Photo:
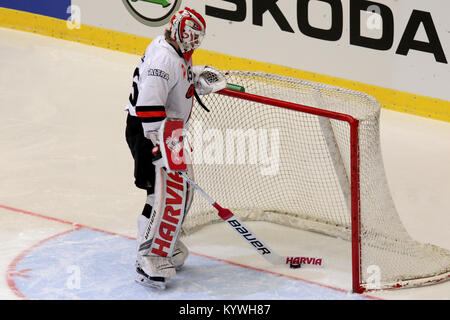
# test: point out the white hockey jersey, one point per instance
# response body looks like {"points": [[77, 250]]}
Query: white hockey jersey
{"points": [[163, 86]]}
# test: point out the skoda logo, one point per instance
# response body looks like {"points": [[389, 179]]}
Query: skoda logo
{"points": [[153, 13]]}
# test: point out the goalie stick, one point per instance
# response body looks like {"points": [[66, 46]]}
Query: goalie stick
{"points": [[252, 239]]}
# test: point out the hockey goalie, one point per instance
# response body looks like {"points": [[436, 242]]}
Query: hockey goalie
{"points": [[164, 85]]}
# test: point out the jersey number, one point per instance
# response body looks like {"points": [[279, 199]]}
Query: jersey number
{"points": [[134, 95]]}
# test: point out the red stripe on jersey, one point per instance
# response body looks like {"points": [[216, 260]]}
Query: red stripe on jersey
{"points": [[151, 114]]}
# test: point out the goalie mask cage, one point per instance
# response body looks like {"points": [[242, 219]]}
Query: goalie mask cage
{"points": [[307, 155]]}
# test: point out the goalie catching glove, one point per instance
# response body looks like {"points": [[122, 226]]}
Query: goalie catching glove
{"points": [[208, 79]]}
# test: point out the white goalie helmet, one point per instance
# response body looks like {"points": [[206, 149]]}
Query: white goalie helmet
{"points": [[187, 28]]}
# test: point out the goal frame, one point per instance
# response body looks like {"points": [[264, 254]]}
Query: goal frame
{"points": [[354, 168]]}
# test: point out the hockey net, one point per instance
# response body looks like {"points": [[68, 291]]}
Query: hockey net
{"points": [[306, 155]]}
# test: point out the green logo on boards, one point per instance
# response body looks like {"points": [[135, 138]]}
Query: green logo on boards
{"points": [[153, 13], [164, 3]]}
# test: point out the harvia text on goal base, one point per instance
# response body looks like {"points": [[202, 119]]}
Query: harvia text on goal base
{"points": [[304, 261]]}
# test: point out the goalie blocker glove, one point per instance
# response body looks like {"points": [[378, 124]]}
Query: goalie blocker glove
{"points": [[169, 151]]}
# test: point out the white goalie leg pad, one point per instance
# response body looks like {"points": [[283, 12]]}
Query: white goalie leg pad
{"points": [[156, 266], [180, 254], [142, 227], [143, 221], [161, 233]]}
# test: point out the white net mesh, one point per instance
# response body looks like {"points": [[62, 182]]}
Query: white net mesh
{"points": [[293, 168]]}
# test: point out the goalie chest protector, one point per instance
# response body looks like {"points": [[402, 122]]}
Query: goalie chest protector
{"points": [[165, 81]]}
